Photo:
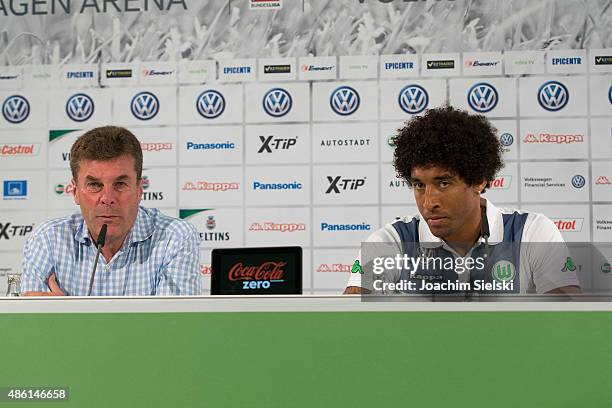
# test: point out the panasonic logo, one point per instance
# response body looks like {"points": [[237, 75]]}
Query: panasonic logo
{"points": [[345, 227], [277, 186], [210, 146]]}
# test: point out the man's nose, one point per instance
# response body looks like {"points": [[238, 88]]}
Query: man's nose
{"points": [[431, 198], [108, 196]]}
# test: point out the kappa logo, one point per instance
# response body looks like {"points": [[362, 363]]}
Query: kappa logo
{"points": [[277, 102], [145, 105], [344, 100], [210, 104], [553, 96], [506, 139], [15, 109], [578, 181], [482, 97], [413, 99], [602, 180], [79, 107]]}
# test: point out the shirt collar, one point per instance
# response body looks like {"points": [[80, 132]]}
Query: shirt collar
{"points": [[141, 231], [496, 229]]}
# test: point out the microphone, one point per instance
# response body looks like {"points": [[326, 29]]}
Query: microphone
{"points": [[99, 245]]}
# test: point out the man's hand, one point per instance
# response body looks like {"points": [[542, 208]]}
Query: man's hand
{"points": [[355, 290], [53, 286]]}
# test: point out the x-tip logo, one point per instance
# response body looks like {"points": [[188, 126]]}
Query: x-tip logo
{"points": [[145, 105], [413, 99], [277, 102], [482, 97], [15, 109], [344, 100], [210, 104], [79, 107], [553, 96]]}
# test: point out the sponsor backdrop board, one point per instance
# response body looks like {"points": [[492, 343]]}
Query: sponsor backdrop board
{"points": [[282, 143]]}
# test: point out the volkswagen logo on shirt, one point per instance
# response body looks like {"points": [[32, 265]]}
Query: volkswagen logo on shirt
{"points": [[277, 102], [413, 99], [79, 107], [210, 104], [506, 139], [578, 181], [344, 100], [482, 97], [553, 96], [15, 109], [145, 105]]}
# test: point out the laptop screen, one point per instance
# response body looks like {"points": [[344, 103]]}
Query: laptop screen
{"points": [[257, 271]]}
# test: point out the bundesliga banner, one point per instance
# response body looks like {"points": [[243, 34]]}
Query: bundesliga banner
{"points": [[271, 122]]}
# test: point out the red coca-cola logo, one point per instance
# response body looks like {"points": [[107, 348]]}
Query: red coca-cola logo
{"points": [[266, 271]]}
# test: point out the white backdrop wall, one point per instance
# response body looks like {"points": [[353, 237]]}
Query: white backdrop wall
{"points": [[271, 126]]}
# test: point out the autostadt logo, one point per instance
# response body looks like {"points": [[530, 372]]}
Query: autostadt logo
{"points": [[344, 100], [145, 105], [482, 97], [553, 96], [506, 139], [277, 102], [210, 104], [15, 109], [79, 107], [413, 99], [578, 181]]}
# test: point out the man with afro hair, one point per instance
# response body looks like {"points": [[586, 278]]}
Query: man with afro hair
{"points": [[449, 157]]}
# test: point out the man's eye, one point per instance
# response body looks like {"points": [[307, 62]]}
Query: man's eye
{"points": [[121, 185], [418, 186], [444, 184], [93, 186]]}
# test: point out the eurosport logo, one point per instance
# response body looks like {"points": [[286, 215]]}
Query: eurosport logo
{"points": [[15, 109], [344, 100], [144, 105], [210, 104], [413, 99], [482, 97], [506, 139], [553, 96], [79, 107], [277, 102], [578, 181]]}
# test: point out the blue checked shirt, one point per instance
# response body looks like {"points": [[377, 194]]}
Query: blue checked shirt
{"points": [[160, 256]]}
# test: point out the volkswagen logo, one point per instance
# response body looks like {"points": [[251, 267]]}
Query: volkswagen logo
{"points": [[578, 181], [553, 96], [506, 139], [145, 105], [277, 102], [413, 99], [482, 97], [610, 94], [210, 104], [16, 109], [79, 107], [344, 100]]}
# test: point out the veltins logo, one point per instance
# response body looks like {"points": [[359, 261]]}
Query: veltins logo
{"points": [[578, 181], [15, 109], [413, 99], [506, 139], [503, 271], [15, 189], [79, 107], [553, 96], [482, 97], [277, 102], [344, 100], [144, 105], [210, 104]]}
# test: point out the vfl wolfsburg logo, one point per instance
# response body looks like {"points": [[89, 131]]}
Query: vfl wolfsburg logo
{"points": [[210, 104], [506, 139], [413, 99], [79, 107], [553, 96], [145, 105], [277, 102], [482, 97], [503, 271], [344, 100], [15, 109]]}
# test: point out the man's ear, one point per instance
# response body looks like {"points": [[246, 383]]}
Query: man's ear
{"points": [[479, 187], [76, 192], [140, 190]]}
